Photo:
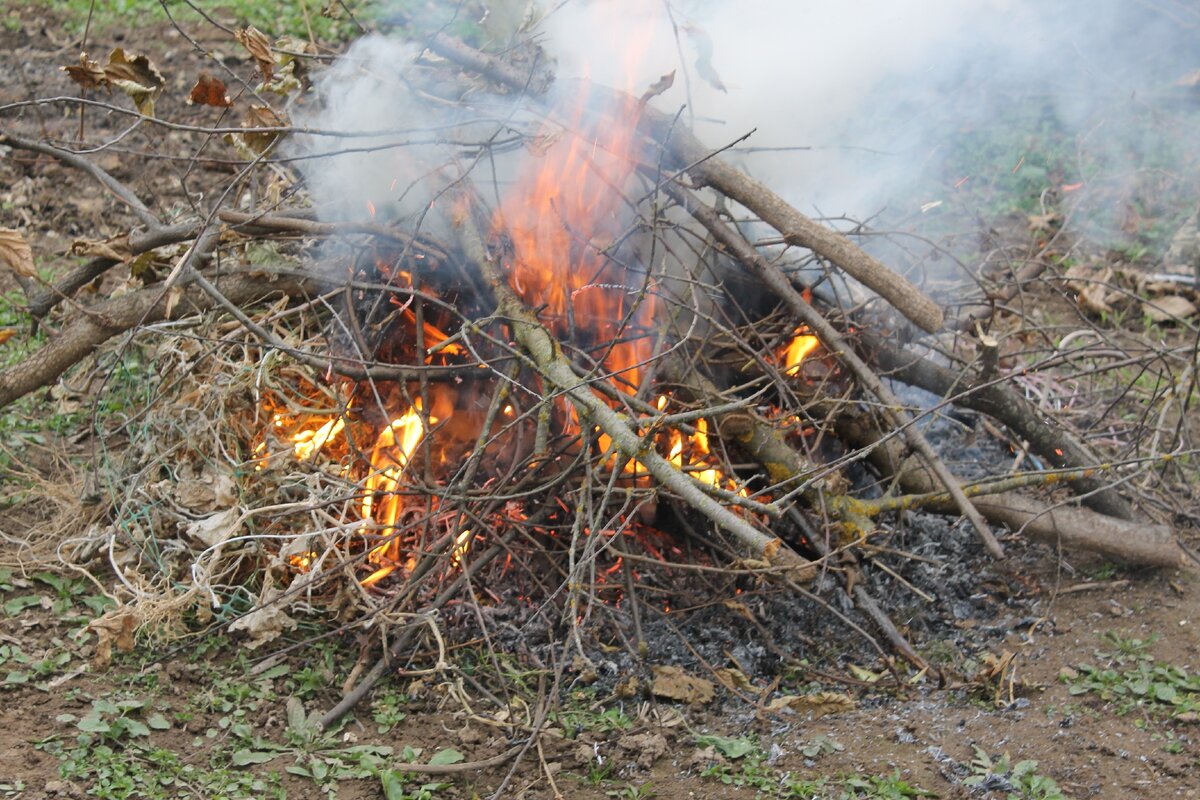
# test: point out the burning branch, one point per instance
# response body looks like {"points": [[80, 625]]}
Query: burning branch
{"points": [[546, 356]]}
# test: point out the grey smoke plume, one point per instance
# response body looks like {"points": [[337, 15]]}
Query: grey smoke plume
{"points": [[857, 107], [881, 93]]}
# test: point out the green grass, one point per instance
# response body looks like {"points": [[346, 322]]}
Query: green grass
{"points": [[273, 17], [743, 764]]}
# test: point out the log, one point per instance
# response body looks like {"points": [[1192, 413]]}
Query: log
{"points": [[1132, 542], [691, 156], [93, 326], [1001, 401]]}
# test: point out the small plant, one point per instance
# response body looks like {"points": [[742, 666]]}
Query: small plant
{"points": [[1125, 648], [642, 791], [386, 710], [116, 722], [1021, 781], [881, 787]]}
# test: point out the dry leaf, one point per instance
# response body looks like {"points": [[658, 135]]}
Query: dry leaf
{"points": [[115, 627], [1092, 286], [732, 678], [87, 73], [260, 49], [114, 247], [673, 683], [215, 528], [818, 704], [704, 53], [266, 622], [134, 75], [209, 91], [1171, 308], [16, 253], [260, 117], [6, 334]]}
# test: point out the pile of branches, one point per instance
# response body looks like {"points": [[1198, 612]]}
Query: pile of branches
{"points": [[668, 428]]}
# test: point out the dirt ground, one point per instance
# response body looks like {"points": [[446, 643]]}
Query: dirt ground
{"points": [[1015, 678]]}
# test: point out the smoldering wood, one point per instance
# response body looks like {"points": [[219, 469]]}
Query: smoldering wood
{"points": [[1139, 542]]}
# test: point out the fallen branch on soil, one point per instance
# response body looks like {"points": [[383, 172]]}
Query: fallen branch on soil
{"points": [[92, 326], [1132, 542], [998, 399]]}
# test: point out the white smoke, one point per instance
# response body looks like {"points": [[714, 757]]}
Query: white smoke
{"points": [[856, 105]]}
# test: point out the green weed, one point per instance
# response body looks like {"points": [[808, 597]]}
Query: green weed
{"points": [[1021, 781]]}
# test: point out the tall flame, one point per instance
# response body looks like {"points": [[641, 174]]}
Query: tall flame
{"points": [[391, 453], [562, 216]]}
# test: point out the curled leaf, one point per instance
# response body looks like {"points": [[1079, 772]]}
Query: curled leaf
{"points": [[87, 73], [260, 49], [114, 247], [209, 91], [16, 253], [254, 143], [134, 75], [673, 683]]}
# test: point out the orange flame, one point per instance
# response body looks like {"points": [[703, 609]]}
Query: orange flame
{"points": [[391, 453], [563, 217], [802, 345], [306, 444]]}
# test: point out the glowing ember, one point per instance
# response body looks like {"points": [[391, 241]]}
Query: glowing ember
{"points": [[462, 543], [306, 444]]}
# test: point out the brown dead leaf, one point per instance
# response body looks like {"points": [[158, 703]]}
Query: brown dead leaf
{"points": [[114, 247], [16, 253], [87, 73], [1171, 308], [657, 88], [134, 75], [673, 683], [256, 42], [1092, 285], [740, 609], [266, 622], [209, 91], [732, 678], [115, 627], [260, 117], [6, 334], [818, 704]]}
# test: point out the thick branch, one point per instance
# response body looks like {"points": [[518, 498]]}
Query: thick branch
{"points": [[1001, 401], [95, 325], [1131, 542], [547, 357], [796, 228], [775, 280]]}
